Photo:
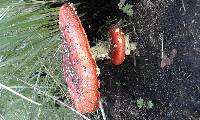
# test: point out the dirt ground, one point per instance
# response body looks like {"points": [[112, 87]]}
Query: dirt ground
{"points": [[174, 90]]}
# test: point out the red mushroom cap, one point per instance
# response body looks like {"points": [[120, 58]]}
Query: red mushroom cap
{"points": [[117, 45], [79, 67]]}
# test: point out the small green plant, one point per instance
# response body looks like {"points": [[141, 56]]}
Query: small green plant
{"points": [[142, 104], [150, 104], [125, 7]]}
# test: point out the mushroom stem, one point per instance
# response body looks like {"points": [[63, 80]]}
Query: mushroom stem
{"points": [[101, 50], [129, 46]]}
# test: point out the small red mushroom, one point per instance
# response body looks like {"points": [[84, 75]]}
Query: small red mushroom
{"points": [[79, 67], [117, 45]]}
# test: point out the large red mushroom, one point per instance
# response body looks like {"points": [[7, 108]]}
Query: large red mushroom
{"points": [[79, 66]]}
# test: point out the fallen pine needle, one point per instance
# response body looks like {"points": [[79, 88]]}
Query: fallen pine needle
{"points": [[102, 110], [18, 94]]}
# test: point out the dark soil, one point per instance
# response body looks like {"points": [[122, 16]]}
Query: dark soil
{"points": [[175, 89]]}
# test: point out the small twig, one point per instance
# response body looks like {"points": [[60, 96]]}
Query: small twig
{"points": [[3, 14], [39, 112], [149, 3], [134, 30], [57, 51], [102, 110], [184, 9], [162, 44], [43, 2], [1, 117], [22, 87], [134, 57], [18, 94]]}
